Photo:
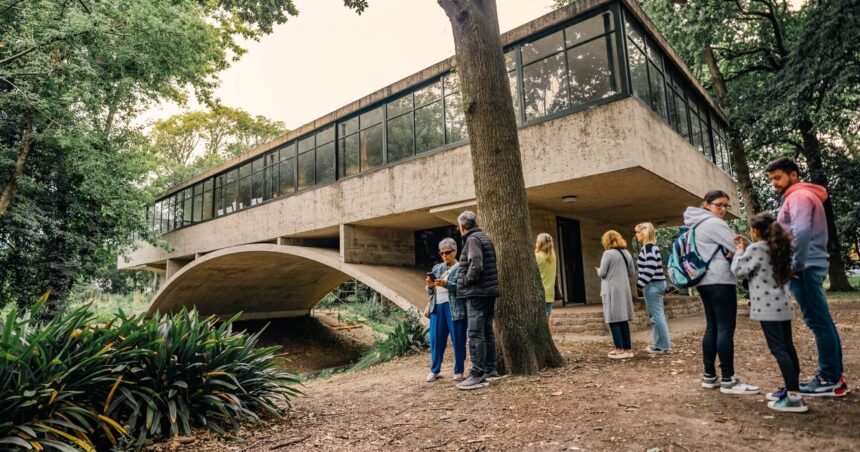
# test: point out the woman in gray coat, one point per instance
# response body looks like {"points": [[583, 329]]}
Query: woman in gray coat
{"points": [[615, 271]]}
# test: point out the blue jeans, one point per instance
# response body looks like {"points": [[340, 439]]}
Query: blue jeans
{"points": [[441, 326], [621, 334], [809, 293], [654, 302]]}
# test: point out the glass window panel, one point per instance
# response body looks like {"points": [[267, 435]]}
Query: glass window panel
{"points": [[306, 170], [634, 34], [639, 74], [287, 171], [697, 133], [187, 211], [654, 52], [198, 188], [399, 106], [177, 206], [207, 205], [590, 74], [325, 163], [287, 151], [545, 87], [188, 193], [325, 135], [429, 128], [451, 83], [401, 140], [257, 165], [349, 160], [306, 144], [245, 170], [231, 191], [542, 48], [510, 60], [256, 188], [168, 215], [271, 158], [207, 184], [589, 28], [455, 120], [428, 94], [218, 200], [512, 80], [371, 147], [370, 118], [706, 141], [198, 208], [244, 196], [156, 217], [270, 182], [348, 127], [658, 90]]}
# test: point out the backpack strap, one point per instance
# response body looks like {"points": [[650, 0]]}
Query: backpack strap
{"points": [[720, 248]]}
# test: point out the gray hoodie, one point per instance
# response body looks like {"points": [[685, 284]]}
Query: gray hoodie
{"points": [[710, 234]]}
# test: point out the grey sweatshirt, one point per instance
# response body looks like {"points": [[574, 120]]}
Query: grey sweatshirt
{"points": [[769, 302], [710, 234]]}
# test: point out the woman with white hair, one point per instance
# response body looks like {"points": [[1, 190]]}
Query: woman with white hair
{"points": [[447, 313]]}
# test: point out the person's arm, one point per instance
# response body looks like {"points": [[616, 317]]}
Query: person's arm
{"points": [[724, 237], [603, 270], [629, 261], [476, 261], [451, 282], [801, 210], [432, 289], [745, 262]]}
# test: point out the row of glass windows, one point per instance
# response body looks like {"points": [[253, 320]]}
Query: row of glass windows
{"points": [[575, 66], [662, 87]]}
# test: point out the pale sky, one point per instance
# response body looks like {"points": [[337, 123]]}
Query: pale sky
{"points": [[329, 56]]}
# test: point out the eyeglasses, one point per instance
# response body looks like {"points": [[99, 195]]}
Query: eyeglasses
{"points": [[445, 253], [721, 205]]}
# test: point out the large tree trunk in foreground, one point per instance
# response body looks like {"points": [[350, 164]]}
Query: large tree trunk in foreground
{"points": [[736, 144], [812, 153], [523, 338]]}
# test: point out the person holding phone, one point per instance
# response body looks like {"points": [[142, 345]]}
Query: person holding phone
{"points": [[446, 312]]}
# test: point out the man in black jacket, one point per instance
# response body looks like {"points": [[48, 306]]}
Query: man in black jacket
{"points": [[479, 285]]}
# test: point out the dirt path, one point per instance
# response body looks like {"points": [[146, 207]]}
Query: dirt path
{"points": [[590, 404]]}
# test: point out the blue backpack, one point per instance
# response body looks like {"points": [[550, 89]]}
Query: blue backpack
{"points": [[686, 266]]}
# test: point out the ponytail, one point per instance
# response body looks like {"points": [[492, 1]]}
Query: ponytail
{"points": [[778, 244]]}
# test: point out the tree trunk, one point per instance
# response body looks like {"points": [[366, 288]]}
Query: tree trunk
{"points": [[736, 144], [523, 338], [18, 170], [812, 153]]}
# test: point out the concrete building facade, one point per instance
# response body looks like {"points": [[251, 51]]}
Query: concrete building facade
{"points": [[613, 130]]}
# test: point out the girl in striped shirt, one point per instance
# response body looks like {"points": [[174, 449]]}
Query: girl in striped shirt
{"points": [[653, 284]]}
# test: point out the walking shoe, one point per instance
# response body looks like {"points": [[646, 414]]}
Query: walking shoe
{"points": [[620, 355], [431, 377], [473, 382], [735, 387], [788, 405], [655, 350], [819, 387], [710, 382], [492, 376], [776, 395], [459, 377]]}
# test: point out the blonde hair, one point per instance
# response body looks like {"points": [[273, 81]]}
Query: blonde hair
{"points": [[612, 239], [544, 245], [649, 235]]}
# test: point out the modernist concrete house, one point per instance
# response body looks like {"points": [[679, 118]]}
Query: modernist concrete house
{"points": [[614, 130]]}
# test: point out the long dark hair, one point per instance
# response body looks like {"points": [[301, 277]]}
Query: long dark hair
{"points": [[778, 245]]}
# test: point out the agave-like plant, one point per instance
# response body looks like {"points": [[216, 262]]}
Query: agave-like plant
{"points": [[407, 337], [70, 384]]}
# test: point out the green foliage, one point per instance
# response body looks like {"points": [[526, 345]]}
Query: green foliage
{"points": [[71, 384], [407, 337]]}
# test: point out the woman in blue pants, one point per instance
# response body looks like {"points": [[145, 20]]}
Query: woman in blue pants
{"points": [[447, 313]]}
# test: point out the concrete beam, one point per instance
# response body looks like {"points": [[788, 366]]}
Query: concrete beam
{"points": [[376, 246]]}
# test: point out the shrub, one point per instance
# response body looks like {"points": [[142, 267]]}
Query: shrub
{"points": [[73, 385], [407, 337]]}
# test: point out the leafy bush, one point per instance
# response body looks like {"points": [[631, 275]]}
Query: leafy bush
{"points": [[407, 337], [72, 385]]}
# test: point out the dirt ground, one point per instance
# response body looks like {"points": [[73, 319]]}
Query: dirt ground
{"points": [[591, 404]]}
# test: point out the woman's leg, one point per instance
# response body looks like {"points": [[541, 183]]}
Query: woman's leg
{"points": [[709, 340], [458, 340], [726, 307], [615, 328], [654, 302], [438, 336], [625, 336]]}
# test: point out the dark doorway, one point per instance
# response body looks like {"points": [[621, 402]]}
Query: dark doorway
{"points": [[427, 245], [572, 273]]}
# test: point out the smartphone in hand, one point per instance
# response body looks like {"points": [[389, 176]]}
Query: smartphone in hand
{"points": [[431, 276]]}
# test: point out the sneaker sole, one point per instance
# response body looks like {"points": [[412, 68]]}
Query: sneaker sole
{"points": [[710, 385], [837, 393], [802, 409], [770, 398], [740, 393], [473, 387]]}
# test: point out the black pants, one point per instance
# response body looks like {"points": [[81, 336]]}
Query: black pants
{"points": [[721, 310], [778, 336], [621, 334], [482, 339]]}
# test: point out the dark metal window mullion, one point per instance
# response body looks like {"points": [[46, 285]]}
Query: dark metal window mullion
{"points": [[521, 92], [384, 135], [623, 39]]}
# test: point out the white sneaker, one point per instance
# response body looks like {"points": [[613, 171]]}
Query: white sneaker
{"points": [[735, 387]]}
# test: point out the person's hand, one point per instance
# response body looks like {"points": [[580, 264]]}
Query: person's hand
{"points": [[429, 282], [739, 239], [440, 282]]}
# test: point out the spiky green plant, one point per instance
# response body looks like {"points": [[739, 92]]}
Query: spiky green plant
{"points": [[407, 337]]}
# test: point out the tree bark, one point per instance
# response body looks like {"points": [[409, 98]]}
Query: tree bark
{"points": [[736, 144], [18, 170], [523, 337], [812, 153]]}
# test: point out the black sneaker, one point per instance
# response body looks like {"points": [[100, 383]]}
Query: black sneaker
{"points": [[473, 382], [492, 376]]}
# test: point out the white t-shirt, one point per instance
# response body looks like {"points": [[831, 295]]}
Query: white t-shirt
{"points": [[441, 295]]}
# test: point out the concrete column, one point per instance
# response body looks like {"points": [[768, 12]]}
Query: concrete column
{"points": [[173, 266], [376, 246]]}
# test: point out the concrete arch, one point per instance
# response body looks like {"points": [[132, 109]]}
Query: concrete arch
{"points": [[268, 281]]}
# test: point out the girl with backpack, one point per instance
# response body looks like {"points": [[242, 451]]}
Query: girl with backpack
{"points": [[616, 268], [715, 240], [766, 263]]}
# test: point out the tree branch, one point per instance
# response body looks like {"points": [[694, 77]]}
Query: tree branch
{"points": [[749, 70], [10, 6], [18, 170], [24, 52]]}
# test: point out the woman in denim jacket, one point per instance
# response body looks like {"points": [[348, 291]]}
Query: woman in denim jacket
{"points": [[447, 313]]}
